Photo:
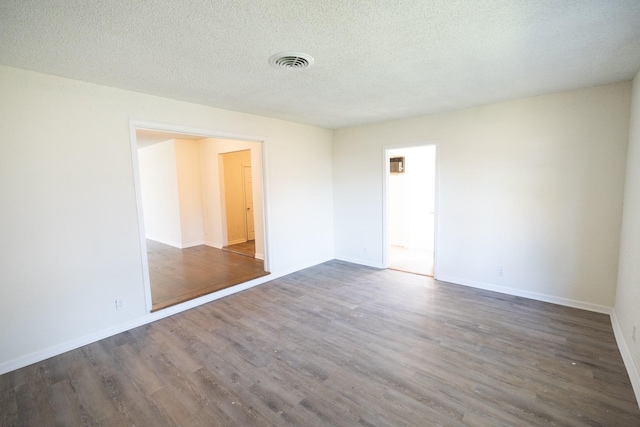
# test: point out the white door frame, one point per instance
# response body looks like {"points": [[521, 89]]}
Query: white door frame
{"points": [[135, 125], [385, 201]]}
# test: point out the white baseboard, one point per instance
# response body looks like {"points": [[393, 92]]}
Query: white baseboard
{"points": [[58, 349], [527, 294], [192, 244], [259, 256], [629, 364], [55, 350], [213, 244], [361, 262], [632, 369], [178, 245], [166, 242]]}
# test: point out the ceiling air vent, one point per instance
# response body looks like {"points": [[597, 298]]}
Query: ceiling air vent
{"points": [[291, 60]]}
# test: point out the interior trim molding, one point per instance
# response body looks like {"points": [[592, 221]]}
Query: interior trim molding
{"points": [[213, 244], [632, 369], [361, 262], [58, 349], [135, 125], [192, 244], [165, 242], [177, 244], [629, 364], [55, 350], [527, 294]]}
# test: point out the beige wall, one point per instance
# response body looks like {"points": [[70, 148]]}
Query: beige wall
{"points": [[532, 185]]}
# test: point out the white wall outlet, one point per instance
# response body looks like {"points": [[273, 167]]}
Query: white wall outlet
{"points": [[500, 271], [633, 334], [365, 250], [119, 304]]}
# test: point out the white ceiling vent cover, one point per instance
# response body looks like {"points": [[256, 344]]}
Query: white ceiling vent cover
{"points": [[291, 60]]}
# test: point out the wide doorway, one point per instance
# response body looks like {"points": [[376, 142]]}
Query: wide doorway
{"points": [[411, 209], [202, 213]]}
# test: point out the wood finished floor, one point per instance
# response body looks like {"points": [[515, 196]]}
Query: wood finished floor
{"points": [[344, 345], [179, 275], [247, 248]]}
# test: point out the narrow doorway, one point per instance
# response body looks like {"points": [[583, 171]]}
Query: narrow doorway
{"points": [[411, 209], [237, 198]]}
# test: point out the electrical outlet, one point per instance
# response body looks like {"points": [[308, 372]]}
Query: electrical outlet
{"points": [[366, 250], [119, 304], [633, 334], [500, 271]]}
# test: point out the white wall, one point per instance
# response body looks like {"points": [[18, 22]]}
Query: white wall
{"points": [[68, 217], [158, 181], [533, 185], [171, 192], [627, 307]]}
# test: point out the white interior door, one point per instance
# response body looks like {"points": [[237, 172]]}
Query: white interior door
{"points": [[248, 202]]}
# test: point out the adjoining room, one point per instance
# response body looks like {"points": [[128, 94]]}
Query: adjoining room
{"points": [[199, 213]]}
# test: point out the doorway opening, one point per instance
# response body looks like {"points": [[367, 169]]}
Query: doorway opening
{"points": [[237, 198], [411, 197], [190, 203]]}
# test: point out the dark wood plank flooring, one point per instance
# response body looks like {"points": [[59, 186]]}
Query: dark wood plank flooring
{"points": [[179, 275], [344, 345]]}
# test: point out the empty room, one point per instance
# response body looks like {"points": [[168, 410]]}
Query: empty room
{"points": [[528, 312]]}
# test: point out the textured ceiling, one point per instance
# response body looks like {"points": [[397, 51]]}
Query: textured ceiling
{"points": [[374, 60]]}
